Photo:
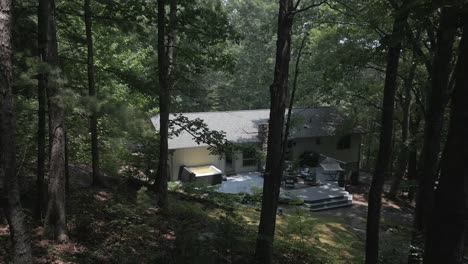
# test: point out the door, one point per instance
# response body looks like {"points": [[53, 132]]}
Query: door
{"points": [[229, 164]]}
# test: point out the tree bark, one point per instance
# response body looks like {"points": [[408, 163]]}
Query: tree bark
{"points": [[41, 126], [446, 231], [274, 166], [293, 93], [93, 121], [402, 162], [385, 142], [55, 219], [434, 117], [165, 57], [413, 155], [19, 233]]}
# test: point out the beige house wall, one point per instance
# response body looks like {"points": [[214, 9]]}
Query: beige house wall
{"points": [[238, 167], [200, 156], [197, 156]]}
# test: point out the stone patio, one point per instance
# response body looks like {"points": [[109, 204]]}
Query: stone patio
{"points": [[327, 193]]}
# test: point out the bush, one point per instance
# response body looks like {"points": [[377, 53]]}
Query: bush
{"points": [[309, 158]]}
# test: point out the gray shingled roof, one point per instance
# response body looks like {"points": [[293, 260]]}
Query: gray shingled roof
{"points": [[242, 126]]}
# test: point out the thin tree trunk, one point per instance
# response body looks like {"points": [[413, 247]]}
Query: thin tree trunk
{"points": [[163, 76], [67, 174], [385, 143], [446, 231], [55, 219], [293, 93], [13, 209], [413, 155], [402, 162], [434, 117], [274, 166], [369, 143], [93, 121], [41, 126], [171, 42]]}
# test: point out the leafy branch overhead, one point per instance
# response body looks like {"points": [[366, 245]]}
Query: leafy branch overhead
{"points": [[201, 133], [217, 142]]}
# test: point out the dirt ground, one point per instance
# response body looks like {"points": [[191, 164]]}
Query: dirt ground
{"points": [[396, 222]]}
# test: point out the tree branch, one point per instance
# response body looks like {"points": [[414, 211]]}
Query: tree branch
{"points": [[308, 7]]}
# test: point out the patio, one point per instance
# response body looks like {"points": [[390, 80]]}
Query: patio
{"points": [[326, 195]]}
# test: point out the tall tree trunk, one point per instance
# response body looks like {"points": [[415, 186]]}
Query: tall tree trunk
{"points": [[164, 60], [402, 162], [55, 219], [93, 122], [413, 154], [41, 126], [434, 116], [447, 228], [385, 142], [274, 166], [67, 174], [13, 209]]}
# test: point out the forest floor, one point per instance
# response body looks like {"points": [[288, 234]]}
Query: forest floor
{"points": [[121, 225]]}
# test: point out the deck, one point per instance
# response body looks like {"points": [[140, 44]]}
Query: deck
{"points": [[324, 196]]}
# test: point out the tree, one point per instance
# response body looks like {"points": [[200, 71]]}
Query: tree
{"points": [[402, 162], [93, 122], [41, 126], [293, 92], [385, 142], [55, 219], [13, 208], [165, 62], [274, 164], [447, 226], [436, 98], [276, 136]]}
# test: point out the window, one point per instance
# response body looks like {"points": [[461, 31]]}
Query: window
{"points": [[291, 143], [248, 158], [344, 142]]}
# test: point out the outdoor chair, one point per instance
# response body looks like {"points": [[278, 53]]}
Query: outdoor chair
{"points": [[310, 179], [289, 182]]}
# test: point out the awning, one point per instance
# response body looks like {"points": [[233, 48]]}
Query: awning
{"points": [[329, 167]]}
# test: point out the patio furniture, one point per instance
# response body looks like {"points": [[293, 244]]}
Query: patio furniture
{"points": [[305, 172], [310, 179], [290, 182], [309, 176], [332, 170]]}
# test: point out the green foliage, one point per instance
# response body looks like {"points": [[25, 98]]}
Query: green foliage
{"points": [[143, 200], [310, 159]]}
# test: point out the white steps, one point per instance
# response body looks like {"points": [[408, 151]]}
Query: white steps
{"points": [[330, 203]]}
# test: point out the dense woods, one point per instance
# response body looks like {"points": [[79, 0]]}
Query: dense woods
{"points": [[86, 170]]}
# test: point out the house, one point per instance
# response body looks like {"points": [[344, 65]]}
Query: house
{"points": [[318, 129]]}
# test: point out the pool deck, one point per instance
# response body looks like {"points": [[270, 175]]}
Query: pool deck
{"points": [[242, 183], [245, 181]]}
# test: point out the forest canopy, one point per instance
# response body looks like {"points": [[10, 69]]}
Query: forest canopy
{"points": [[81, 80]]}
